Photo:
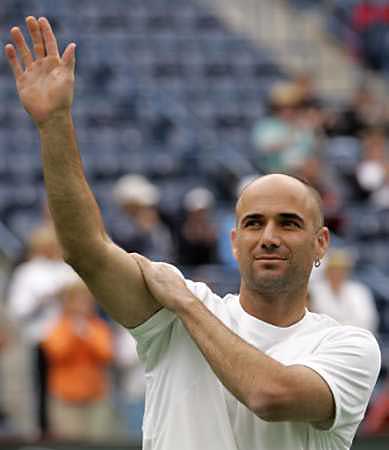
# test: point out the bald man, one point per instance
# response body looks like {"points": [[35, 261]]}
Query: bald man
{"points": [[249, 371]]}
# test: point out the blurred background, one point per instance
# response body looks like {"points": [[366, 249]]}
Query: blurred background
{"points": [[178, 104]]}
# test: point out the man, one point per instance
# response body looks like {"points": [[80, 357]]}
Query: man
{"points": [[254, 371]]}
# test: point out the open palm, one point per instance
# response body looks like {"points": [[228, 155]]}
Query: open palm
{"points": [[45, 84]]}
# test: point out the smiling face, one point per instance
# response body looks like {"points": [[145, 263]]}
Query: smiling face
{"points": [[278, 235]]}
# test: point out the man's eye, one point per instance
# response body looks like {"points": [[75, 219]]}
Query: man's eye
{"points": [[290, 224], [253, 223]]}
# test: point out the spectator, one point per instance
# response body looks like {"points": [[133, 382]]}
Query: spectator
{"points": [[364, 111], [78, 349], [370, 21], [349, 302], [197, 239], [305, 81], [140, 228], [312, 111], [380, 197], [283, 139], [33, 305], [370, 172]]}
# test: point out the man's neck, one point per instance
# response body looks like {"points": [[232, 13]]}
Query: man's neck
{"points": [[281, 310]]}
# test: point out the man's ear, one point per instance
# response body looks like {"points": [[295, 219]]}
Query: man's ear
{"points": [[322, 241], [234, 247]]}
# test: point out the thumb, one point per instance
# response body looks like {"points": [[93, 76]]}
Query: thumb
{"points": [[69, 56]]}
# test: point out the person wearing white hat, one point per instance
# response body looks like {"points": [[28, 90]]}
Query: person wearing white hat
{"points": [[140, 228], [197, 236]]}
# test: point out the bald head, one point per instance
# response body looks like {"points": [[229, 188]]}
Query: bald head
{"points": [[286, 188]]}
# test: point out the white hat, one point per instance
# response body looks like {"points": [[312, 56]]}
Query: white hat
{"points": [[198, 198], [135, 189]]}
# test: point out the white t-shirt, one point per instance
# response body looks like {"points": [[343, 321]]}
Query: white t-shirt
{"points": [[188, 408]]}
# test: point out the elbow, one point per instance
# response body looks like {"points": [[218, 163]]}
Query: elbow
{"points": [[73, 259], [79, 264], [269, 407], [71, 253], [69, 258]]}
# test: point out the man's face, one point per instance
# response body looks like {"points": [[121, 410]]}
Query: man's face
{"points": [[278, 235]]}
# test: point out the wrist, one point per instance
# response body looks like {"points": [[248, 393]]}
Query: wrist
{"points": [[55, 120], [186, 304]]}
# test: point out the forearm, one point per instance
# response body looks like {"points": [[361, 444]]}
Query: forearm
{"points": [[73, 207], [255, 379]]}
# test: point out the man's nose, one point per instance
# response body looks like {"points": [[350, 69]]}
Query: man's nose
{"points": [[270, 237]]}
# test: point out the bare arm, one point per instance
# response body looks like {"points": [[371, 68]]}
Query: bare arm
{"points": [[45, 86], [273, 391]]}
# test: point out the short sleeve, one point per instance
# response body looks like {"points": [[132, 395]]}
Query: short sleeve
{"points": [[349, 360], [153, 336]]}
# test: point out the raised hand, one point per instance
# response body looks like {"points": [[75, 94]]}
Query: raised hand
{"points": [[45, 80]]}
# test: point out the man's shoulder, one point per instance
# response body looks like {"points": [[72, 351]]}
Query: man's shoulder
{"points": [[334, 333], [324, 324]]}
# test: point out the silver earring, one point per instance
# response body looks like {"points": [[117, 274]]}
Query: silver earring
{"points": [[317, 262]]}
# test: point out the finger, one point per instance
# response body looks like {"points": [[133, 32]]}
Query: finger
{"points": [[36, 36], [22, 47], [10, 53], [49, 39], [69, 56]]}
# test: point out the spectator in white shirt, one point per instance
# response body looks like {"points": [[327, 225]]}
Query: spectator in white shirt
{"points": [[33, 305], [348, 301]]}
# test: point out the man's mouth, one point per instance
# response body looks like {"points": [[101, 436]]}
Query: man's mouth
{"points": [[270, 258]]}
